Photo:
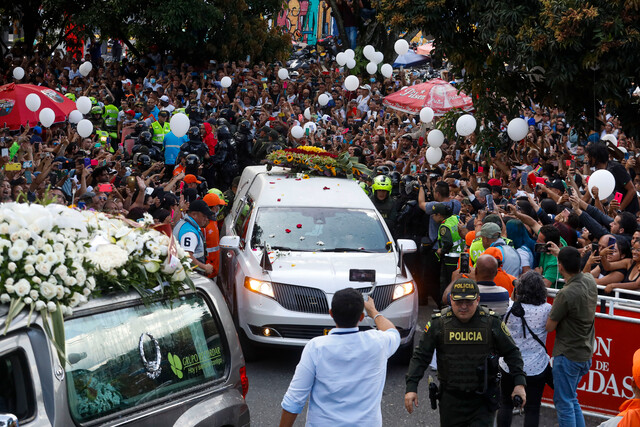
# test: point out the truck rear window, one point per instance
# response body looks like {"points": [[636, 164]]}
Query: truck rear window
{"points": [[106, 352]]}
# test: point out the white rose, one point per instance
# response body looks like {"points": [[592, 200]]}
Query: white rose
{"points": [[9, 281], [36, 280], [51, 258], [40, 305], [39, 243], [31, 250], [75, 299], [33, 294], [5, 298], [48, 290], [22, 287], [24, 234], [70, 281], [124, 273], [113, 273], [28, 301], [86, 292], [61, 271], [91, 283], [15, 254], [51, 306], [81, 276], [11, 267], [59, 291], [21, 245], [64, 309], [43, 268], [4, 228], [14, 237], [58, 247], [10, 288], [47, 248], [38, 258]]}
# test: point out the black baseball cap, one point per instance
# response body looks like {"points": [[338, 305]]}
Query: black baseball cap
{"points": [[201, 206], [464, 289]]}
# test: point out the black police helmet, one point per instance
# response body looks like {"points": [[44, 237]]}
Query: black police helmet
{"points": [[244, 127], [140, 127], [145, 137], [194, 132], [223, 132], [192, 159], [144, 161]]}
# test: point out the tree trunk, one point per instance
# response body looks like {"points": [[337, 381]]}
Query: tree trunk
{"points": [[338, 17], [131, 47]]}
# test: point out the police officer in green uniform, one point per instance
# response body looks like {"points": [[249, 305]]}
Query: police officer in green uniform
{"points": [[160, 128], [450, 243], [383, 201], [469, 339]]}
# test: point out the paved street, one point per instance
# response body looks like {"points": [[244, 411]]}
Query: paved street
{"points": [[269, 379]]}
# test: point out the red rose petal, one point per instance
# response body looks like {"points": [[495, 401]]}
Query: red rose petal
{"points": [[326, 188], [278, 200], [287, 230], [299, 225]]}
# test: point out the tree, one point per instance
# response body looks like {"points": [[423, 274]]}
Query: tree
{"points": [[565, 53], [192, 29]]}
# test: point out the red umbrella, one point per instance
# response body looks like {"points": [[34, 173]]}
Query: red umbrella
{"points": [[13, 109], [436, 93]]}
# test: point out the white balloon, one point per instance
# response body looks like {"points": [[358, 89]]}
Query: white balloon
{"points": [[350, 53], [435, 138], [386, 70], [179, 124], [33, 101], [18, 73], [311, 126], [85, 128], [368, 52], [351, 63], [225, 82], [75, 116], [307, 113], [323, 99], [401, 46], [611, 138], [466, 125], [604, 180], [517, 129], [351, 83], [297, 132], [378, 57], [283, 73], [47, 117], [83, 104], [426, 114], [341, 59], [85, 68], [372, 68], [434, 154]]}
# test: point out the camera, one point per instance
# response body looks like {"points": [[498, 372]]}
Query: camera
{"points": [[541, 248]]}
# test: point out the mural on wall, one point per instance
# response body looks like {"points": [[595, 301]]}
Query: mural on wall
{"points": [[304, 19]]}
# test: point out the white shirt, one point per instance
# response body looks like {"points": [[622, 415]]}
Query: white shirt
{"points": [[343, 376], [534, 356]]}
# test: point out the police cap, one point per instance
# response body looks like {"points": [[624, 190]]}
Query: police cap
{"points": [[464, 289]]}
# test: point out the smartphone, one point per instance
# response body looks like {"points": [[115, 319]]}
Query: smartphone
{"points": [[594, 247], [107, 188], [463, 219], [13, 167], [27, 164], [618, 198], [572, 165], [28, 177], [5, 152], [394, 145], [480, 169], [489, 202], [506, 193], [541, 248], [148, 190], [569, 190], [626, 156], [457, 155], [612, 241], [464, 263], [413, 168], [492, 151], [87, 162]]}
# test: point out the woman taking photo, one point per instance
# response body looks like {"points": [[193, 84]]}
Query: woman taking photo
{"points": [[526, 320], [631, 280], [612, 263]]}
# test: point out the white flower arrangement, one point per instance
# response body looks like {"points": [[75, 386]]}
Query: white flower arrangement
{"points": [[53, 259]]}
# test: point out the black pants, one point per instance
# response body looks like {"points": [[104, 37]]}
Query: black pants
{"points": [[464, 410], [535, 387]]}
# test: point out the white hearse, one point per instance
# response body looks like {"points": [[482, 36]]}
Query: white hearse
{"points": [[321, 235]]}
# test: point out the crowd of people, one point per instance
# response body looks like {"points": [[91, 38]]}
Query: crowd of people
{"points": [[508, 209]]}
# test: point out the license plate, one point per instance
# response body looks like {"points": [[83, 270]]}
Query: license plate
{"points": [[326, 331]]}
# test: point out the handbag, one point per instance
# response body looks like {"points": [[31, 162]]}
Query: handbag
{"points": [[518, 310]]}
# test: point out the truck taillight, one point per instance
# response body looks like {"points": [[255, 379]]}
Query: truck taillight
{"points": [[244, 380]]}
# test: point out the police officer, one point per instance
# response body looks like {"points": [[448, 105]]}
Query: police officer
{"points": [[469, 339], [188, 231], [160, 128], [450, 243], [383, 201]]}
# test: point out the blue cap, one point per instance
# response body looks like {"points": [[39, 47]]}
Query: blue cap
{"points": [[37, 129]]}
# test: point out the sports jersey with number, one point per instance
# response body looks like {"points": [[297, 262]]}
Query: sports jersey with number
{"points": [[189, 234]]}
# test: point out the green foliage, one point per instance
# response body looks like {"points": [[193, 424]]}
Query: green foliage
{"points": [[564, 53], [194, 30]]}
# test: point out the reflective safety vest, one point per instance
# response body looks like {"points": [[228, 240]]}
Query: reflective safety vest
{"points": [[159, 131], [110, 116], [181, 110], [458, 242], [463, 348], [103, 140], [212, 237]]}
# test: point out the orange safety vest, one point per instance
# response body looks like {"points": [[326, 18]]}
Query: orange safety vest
{"points": [[212, 238], [505, 280]]}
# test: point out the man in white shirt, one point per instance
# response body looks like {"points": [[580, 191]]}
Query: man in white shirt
{"points": [[343, 373], [363, 98]]}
